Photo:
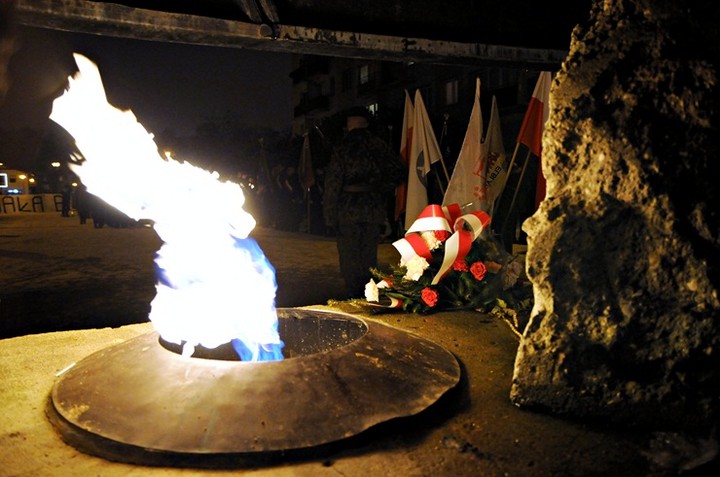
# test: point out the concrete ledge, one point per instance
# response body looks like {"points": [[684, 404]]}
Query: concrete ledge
{"points": [[473, 430]]}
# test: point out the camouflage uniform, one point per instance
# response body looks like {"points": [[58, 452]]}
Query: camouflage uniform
{"points": [[361, 175]]}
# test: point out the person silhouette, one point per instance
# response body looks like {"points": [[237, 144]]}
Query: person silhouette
{"points": [[361, 174]]}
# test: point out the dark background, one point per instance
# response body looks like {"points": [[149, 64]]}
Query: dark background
{"points": [[172, 88]]}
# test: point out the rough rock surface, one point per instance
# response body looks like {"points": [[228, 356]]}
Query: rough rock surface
{"points": [[624, 253]]}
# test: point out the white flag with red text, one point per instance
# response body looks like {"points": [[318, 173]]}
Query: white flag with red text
{"points": [[494, 150], [467, 184], [424, 151]]}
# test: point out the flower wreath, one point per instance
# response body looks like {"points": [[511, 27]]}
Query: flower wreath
{"points": [[444, 268]]}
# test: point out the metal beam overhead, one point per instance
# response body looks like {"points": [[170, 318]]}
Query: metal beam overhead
{"points": [[108, 19]]}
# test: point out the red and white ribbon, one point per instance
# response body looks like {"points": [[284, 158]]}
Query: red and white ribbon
{"points": [[433, 217], [466, 229], [387, 302]]}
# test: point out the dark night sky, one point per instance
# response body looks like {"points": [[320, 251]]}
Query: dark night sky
{"points": [[168, 86]]}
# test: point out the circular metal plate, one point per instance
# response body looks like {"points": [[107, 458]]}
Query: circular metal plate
{"points": [[344, 376]]}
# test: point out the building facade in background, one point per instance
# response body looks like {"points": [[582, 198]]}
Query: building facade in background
{"points": [[325, 86]]}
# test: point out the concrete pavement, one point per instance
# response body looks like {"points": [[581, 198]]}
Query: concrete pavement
{"points": [[96, 285]]}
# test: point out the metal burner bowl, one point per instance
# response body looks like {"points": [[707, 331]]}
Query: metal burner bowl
{"points": [[143, 402], [302, 334]]}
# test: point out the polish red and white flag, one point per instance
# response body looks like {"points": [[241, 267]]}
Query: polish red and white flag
{"points": [[533, 125]]}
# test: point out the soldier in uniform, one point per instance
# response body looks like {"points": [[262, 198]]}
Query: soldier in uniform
{"points": [[361, 176]]}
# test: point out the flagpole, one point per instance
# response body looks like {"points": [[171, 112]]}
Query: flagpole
{"points": [[447, 176], [443, 135], [517, 188], [308, 210], [440, 184]]}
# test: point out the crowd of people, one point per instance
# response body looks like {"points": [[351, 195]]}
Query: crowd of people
{"points": [[350, 199], [78, 201]]}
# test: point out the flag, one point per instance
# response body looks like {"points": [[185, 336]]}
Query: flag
{"points": [[424, 151], [467, 184], [306, 173], [494, 149], [533, 125], [405, 142]]}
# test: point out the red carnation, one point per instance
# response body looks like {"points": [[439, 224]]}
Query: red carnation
{"points": [[478, 269], [460, 265], [429, 296]]}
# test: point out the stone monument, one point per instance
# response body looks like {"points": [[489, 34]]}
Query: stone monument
{"points": [[624, 253]]}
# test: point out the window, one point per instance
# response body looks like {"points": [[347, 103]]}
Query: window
{"points": [[451, 92], [428, 98], [364, 76]]}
